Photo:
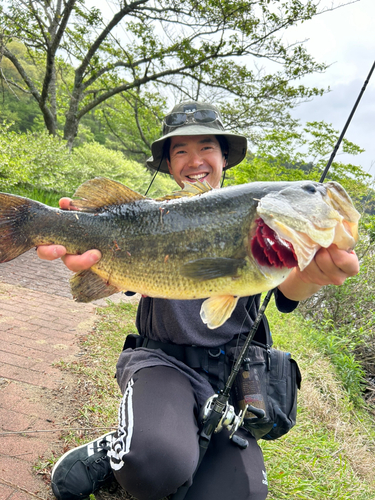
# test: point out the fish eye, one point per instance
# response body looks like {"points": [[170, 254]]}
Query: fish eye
{"points": [[309, 188]]}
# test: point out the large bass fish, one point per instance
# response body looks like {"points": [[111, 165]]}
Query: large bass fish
{"points": [[198, 243]]}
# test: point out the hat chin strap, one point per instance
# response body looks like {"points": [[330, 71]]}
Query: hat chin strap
{"points": [[222, 179], [153, 177]]}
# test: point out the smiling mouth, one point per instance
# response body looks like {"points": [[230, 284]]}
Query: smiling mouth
{"points": [[196, 177]]}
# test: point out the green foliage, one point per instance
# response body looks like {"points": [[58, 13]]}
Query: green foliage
{"points": [[345, 321], [94, 160], [131, 124], [340, 344], [35, 159], [17, 107], [302, 154], [40, 166], [330, 452], [50, 198]]}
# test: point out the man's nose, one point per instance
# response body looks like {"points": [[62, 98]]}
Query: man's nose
{"points": [[195, 160]]}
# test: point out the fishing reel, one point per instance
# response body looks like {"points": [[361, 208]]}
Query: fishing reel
{"points": [[229, 419]]}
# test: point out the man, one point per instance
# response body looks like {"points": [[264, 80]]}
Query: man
{"points": [[155, 449]]}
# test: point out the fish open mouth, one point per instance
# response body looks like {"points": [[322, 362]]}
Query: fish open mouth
{"points": [[269, 249]]}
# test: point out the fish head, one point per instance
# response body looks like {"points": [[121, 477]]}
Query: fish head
{"points": [[298, 220]]}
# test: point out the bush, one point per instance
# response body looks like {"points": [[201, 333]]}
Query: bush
{"points": [[32, 163], [35, 159], [95, 160], [345, 321]]}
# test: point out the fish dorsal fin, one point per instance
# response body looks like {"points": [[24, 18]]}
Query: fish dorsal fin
{"points": [[95, 194], [189, 190]]}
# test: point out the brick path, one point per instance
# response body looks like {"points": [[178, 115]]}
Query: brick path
{"points": [[39, 326]]}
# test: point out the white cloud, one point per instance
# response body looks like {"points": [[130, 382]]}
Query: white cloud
{"points": [[344, 39]]}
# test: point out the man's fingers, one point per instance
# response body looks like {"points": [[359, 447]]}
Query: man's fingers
{"points": [[67, 204], [330, 273], [77, 263], [51, 252], [313, 274], [331, 266], [346, 261]]}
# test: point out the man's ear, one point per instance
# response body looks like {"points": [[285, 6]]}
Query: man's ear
{"points": [[169, 166], [225, 155]]}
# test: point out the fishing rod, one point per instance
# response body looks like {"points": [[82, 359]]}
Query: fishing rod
{"points": [[217, 413], [335, 149], [338, 143]]}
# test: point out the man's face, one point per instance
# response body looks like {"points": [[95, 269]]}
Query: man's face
{"points": [[196, 158]]}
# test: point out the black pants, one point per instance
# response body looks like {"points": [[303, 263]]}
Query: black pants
{"points": [[157, 447]]}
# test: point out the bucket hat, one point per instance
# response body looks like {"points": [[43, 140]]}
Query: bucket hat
{"points": [[196, 118]]}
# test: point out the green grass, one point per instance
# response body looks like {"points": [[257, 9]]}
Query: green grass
{"points": [[96, 370], [47, 197], [329, 454]]}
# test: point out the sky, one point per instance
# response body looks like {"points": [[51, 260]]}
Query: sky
{"points": [[344, 39]]}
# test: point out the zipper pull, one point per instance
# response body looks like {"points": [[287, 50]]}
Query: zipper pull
{"points": [[246, 364], [268, 348]]}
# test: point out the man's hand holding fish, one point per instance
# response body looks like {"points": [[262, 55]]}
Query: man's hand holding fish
{"points": [[330, 266]]}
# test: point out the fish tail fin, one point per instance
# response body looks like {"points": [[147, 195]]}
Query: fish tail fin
{"points": [[13, 238]]}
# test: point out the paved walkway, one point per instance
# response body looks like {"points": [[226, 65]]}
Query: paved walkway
{"points": [[39, 325]]}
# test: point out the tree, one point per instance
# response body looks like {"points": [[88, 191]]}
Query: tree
{"points": [[16, 106], [197, 49], [302, 153]]}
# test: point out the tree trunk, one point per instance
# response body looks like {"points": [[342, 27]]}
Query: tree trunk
{"points": [[72, 121]]}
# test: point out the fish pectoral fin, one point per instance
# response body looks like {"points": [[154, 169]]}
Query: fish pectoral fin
{"points": [[99, 193], [189, 190], [216, 310], [211, 268], [87, 286]]}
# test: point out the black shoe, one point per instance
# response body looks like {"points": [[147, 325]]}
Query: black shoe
{"points": [[83, 470]]}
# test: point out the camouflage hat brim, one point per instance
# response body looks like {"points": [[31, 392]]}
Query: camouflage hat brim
{"points": [[237, 145]]}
